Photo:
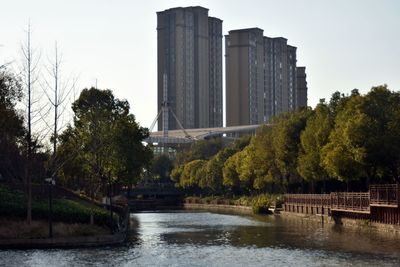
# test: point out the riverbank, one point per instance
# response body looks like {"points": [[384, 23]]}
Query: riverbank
{"points": [[76, 221], [363, 225], [220, 208], [15, 228], [64, 242], [17, 234]]}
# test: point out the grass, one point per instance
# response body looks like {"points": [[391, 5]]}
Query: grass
{"points": [[14, 228], [13, 204]]}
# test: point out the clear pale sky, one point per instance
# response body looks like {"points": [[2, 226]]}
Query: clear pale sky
{"points": [[344, 44]]}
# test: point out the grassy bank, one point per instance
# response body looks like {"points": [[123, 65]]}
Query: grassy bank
{"points": [[259, 203], [16, 228], [13, 209]]}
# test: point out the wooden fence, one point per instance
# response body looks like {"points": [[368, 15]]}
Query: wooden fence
{"points": [[350, 201], [308, 203], [380, 204], [384, 195]]}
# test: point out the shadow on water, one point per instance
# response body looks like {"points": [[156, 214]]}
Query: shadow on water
{"points": [[198, 238], [271, 231]]}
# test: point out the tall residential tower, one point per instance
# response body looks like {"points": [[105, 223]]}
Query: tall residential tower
{"points": [[261, 77], [189, 52]]}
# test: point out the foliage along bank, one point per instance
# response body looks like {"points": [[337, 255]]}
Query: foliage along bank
{"points": [[102, 146], [346, 143]]}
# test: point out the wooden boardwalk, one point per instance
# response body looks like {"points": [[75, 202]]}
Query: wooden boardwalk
{"points": [[379, 204]]}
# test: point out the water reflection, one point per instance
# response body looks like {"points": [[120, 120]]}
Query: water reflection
{"points": [[207, 228], [207, 239]]}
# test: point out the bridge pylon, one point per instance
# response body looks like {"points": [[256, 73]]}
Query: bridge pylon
{"points": [[164, 114]]}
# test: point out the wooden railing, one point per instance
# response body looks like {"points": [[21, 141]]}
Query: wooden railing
{"points": [[350, 201], [384, 195], [316, 200], [342, 201]]}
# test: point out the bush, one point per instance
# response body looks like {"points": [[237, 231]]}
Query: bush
{"points": [[261, 203]]}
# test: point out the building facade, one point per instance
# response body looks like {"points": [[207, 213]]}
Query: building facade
{"points": [[189, 52], [261, 77], [301, 87]]}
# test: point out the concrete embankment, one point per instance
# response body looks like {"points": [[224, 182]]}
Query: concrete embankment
{"points": [[359, 224], [314, 218], [219, 208], [64, 242]]}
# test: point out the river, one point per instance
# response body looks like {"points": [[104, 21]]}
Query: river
{"points": [[185, 238]]}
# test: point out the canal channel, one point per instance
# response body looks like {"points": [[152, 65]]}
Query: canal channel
{"points": [[187, 238]]}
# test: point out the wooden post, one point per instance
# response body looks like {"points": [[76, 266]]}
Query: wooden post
{"points": [[352, 201], [387, 194]]}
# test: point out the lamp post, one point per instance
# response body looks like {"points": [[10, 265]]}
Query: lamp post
{"points": [[50, 182], [110, 200]]}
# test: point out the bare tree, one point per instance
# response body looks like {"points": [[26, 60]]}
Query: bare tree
{"points": [[29, 75], [58, 90]]}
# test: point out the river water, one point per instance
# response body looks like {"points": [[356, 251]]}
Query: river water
{"points": [[184, 238]]}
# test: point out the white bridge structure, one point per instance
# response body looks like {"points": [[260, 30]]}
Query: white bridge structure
{"points": [[170, 138], [191, 135]]}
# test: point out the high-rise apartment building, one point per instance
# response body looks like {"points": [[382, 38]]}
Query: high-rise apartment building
{"points": [[189, 51], [261, 77], [301, 87]]}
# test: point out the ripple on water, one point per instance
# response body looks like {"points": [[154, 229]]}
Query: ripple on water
{"points": [[207, 239]]}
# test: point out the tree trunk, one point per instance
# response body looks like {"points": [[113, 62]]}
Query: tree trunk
{"points": [[28, 194]]}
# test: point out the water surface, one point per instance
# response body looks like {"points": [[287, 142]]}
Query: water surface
{"points": [[208, 239]]}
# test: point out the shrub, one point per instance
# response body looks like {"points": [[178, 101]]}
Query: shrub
{"points": [[261, 203], [12, 203]]}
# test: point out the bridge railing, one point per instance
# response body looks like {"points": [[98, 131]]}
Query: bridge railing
{"points": [[316, 200], [350, 201], [384, 195], [356, 202]]}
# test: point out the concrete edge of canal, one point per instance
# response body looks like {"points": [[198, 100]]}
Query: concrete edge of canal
{"points": [[219, 208], [315, 218], [64, 242]]}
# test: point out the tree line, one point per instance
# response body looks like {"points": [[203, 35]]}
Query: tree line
{"points": [[100, 146], [344, 144]]}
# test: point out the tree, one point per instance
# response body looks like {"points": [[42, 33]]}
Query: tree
{"points": [[57, 89], [191, 174], [341, 155], [364, 143], [162, 166], [286, 131], [213, 176], [107, 140], [266, 171], [230, 174], [75, 171], [11, 125], [30, 62], [312, 140], [202, 149], [378, 129]]}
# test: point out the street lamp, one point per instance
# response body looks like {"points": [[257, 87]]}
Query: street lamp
{"points": [[50, 181]]}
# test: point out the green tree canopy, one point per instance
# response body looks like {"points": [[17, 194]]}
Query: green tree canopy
{"points": [[12, 130], [161, 166], [286, 131], [106, 140], [202, 149], [312, 140], [341, 155]]}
